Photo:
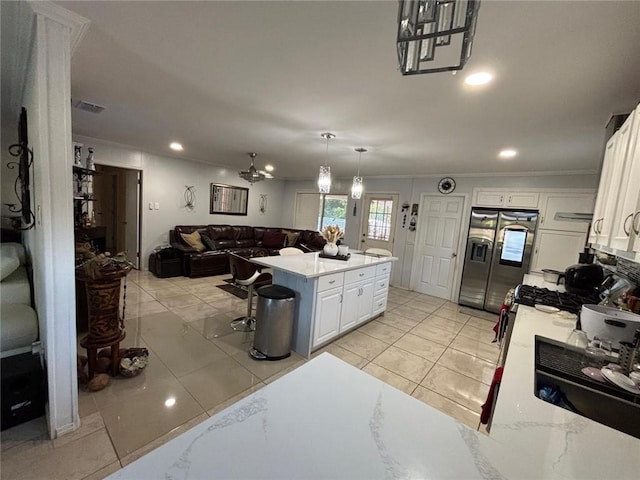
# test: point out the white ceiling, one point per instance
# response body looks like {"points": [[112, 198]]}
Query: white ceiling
{"points": [[226, 78]]}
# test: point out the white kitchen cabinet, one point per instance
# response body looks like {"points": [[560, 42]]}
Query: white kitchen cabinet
{"points": [[327, 316], [556, 249], [357, 304], [503, 198], [629, 191], [609, 188], [565, 202]]}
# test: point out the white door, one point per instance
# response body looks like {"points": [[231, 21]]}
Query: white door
{"points": [[365, 301], [132, 216], [379, 221], [436, 249], [350, 306], [328, 308]]}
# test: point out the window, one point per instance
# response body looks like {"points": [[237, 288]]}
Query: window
{"points": [[333, 211], [379, 222]]}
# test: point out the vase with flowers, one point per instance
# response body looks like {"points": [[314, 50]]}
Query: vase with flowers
{"points": [[331, 233]]}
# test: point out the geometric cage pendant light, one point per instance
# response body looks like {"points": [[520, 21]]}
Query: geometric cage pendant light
{"points": [[324, 177], [357, 187]]}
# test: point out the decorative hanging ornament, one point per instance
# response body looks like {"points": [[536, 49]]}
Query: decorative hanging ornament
{"points": [[324, 177], [357, 187]]}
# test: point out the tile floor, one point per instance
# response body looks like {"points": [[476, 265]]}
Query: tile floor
{"points": [[434, 350]]}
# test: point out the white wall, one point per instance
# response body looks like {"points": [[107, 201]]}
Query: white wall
{"points": [[410, 190], [164, 180]]}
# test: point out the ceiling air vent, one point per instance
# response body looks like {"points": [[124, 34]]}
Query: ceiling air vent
{"points": [[88, 107]]}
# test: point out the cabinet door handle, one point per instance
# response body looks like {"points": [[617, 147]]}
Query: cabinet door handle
{"points": [[362, 274], [633, 223], [382, 285], [501, 198], [627, 231], [331, 282], [541, 219], [340, 298], [509, 198]]}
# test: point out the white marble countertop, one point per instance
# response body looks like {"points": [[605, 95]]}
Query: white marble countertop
{"points": [[311, 265], [329, 420], [566, 445]]}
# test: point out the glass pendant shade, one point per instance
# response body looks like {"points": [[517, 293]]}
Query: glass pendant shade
{"points": [[356, 188], [324, 179]]}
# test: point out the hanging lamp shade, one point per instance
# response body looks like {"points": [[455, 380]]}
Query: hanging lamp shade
{"points": [[324, 177], [252, 175], [357, 187]]}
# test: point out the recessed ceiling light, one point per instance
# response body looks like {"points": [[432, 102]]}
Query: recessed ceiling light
{"points": [[176, 146], [478, 78], [268, 168], [507, 153]]}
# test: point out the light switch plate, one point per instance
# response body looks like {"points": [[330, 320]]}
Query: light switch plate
{"points": [[157, 205], [150, 205]]}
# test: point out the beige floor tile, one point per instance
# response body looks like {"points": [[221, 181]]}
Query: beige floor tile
{"points": [[362, 345], [448, 407], [226, 304], [218, 381], [422, 306], [481, 323], [215, 326], [489, 316], [148, 415], [452, 315], [381, 331], [390, 378], [164, 291], [88, 425], [444, 324], [433, 332], [394, 302], [450, 306], [479, 347], [485, 334], [410, 312], [424, 298], [182, 300], [104, 472], [137, 296], [343, 354], [211, 295], [466, 391], [403, 363], [234, 342], [421, 347], [236, 398], [192, 313], [264, 369], [31, 431], [133, 456], [144, 309], [398, 321], [182, 349], [74, 460], [284, 372], [469, 365]]}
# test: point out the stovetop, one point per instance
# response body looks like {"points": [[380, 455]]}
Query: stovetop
{"points": [[570, 302]]}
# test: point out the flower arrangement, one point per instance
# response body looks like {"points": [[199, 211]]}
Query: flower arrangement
{"points": [[332, 233], [102, 265]]}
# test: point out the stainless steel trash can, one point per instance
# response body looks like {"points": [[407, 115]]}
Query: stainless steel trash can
{"points": [[274, 323]]}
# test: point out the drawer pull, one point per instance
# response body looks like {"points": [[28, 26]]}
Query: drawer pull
{"points": [[361, 275], [331, 282], [382, 285]]}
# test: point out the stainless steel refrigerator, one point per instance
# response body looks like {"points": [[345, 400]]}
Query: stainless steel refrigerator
{"points": [[498, 254]]}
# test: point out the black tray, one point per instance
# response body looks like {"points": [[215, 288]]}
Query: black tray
{"points": [[336, 257]]}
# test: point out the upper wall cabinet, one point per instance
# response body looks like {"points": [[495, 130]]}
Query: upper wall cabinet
{"points": [[616, 220], [500, 198], [556, 208]]}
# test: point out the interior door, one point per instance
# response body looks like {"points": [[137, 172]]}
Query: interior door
{"points": [[435, 255], [379, 220], [132, 216]]}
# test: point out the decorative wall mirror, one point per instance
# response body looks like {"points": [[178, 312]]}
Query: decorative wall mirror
{"points": [[228, 200]]}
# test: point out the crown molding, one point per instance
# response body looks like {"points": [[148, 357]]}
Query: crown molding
{"points": [[77, 23]]}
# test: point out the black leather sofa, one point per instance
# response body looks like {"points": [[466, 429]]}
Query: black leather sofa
{"points": [[240, 239]]}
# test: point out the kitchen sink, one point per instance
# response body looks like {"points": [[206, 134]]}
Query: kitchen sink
{"points": [[558, 366]]}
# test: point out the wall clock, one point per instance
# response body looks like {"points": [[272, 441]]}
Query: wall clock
{"points": [[447, 185]]}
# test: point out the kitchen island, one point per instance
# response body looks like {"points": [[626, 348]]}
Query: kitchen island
{"points": [[333, 296]]}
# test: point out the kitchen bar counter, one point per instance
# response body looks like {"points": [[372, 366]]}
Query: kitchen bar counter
{"points": [[310, 265], [566, 445]]}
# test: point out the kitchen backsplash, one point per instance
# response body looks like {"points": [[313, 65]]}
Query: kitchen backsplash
{"points": [[629, 269]]}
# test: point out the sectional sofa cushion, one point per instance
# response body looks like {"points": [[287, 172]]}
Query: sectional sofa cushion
{"points": [[273, 239], [18, 330], [194, 240], [292, 237], [208, 242]]}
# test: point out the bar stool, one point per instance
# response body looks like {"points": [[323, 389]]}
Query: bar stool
{"points": [[246, 274]]}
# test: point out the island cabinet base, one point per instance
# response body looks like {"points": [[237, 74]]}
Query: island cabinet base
{"points": [[331, 305]]}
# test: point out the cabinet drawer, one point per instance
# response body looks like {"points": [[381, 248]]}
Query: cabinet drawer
{"points": [[382, 285], [379, 303], [359, 274], [383, 269], [330, 281]]}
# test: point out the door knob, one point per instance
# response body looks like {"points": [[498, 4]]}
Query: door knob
{"points": [[454, 255]]}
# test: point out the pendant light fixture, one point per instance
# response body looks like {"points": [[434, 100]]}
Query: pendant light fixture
{"points": [[252, 175], [324, 178], [357, 187]]}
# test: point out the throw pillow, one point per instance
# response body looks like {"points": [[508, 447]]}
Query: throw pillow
{"points": [[210, 244], [273, 239], [194, 240], [292, 237]]}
